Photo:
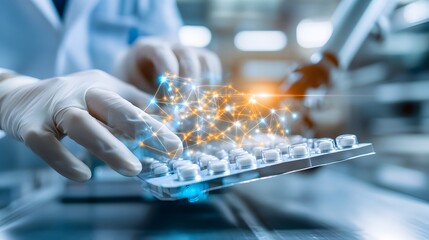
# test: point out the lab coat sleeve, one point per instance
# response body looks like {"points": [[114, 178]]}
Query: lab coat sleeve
{"points": [[160, 19]]}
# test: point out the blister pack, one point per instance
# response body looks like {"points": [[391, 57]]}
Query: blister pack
{"points": [[216, 165]]}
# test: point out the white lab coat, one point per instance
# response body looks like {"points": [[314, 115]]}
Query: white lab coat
{"points": [[34, 41]]}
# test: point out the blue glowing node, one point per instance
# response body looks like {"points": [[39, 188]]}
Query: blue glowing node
{"points": [[162, 79], [262, 120], [153, 101], [294, 115]]}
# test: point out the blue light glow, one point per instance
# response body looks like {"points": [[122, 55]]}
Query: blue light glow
{"points": [[162, 79], [194, 193]]}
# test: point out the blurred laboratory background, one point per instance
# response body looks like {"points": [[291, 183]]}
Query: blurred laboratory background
{"points": [[382, 97]]}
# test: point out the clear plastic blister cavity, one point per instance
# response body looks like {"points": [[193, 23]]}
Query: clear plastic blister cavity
{"points": [[213, 166]]}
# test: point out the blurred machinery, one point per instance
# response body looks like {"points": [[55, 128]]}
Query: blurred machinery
{"points": [[382, 95]]}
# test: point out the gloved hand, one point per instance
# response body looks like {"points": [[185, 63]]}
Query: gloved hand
{"points": [[307, 88], [86, 106], [310, 76], [149, 58]]}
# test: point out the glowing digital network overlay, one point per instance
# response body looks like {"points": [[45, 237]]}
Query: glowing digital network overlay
{"points": [[204, 113]]}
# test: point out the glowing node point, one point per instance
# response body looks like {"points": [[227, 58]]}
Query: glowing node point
{"points": [[152, 101], [252, 99], [273, 111], [294, 115], [237, 124], [163, 79]]}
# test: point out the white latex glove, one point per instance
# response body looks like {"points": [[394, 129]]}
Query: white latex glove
{"points": [[149, 58], [84, 106]]}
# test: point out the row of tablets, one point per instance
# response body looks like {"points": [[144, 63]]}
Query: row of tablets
{"points": [[219, 161]]}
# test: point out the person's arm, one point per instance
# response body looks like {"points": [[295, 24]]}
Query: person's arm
{"points": [[352, 21], [6, 73], [158, 50], [88, 107], [6, 83]]}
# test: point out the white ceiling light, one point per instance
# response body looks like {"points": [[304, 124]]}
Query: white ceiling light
{"points": [[195, 36], [260, 41], [313, 34]]}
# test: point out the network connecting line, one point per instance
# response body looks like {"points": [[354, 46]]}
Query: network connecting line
{"points": [[205, 113]]}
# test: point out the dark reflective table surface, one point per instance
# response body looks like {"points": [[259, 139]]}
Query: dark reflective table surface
{"points": [[323, 204]]}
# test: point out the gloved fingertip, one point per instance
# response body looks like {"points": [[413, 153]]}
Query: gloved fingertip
{"points": [[81, 175], [131, 168], [174, 146]]}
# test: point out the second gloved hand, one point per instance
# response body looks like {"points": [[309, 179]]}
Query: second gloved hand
{"points": [[87, 107], [151, 57]]}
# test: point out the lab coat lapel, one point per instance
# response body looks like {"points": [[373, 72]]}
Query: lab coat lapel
{"points": [[69, 58], [76, 9], [47, 9]]}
